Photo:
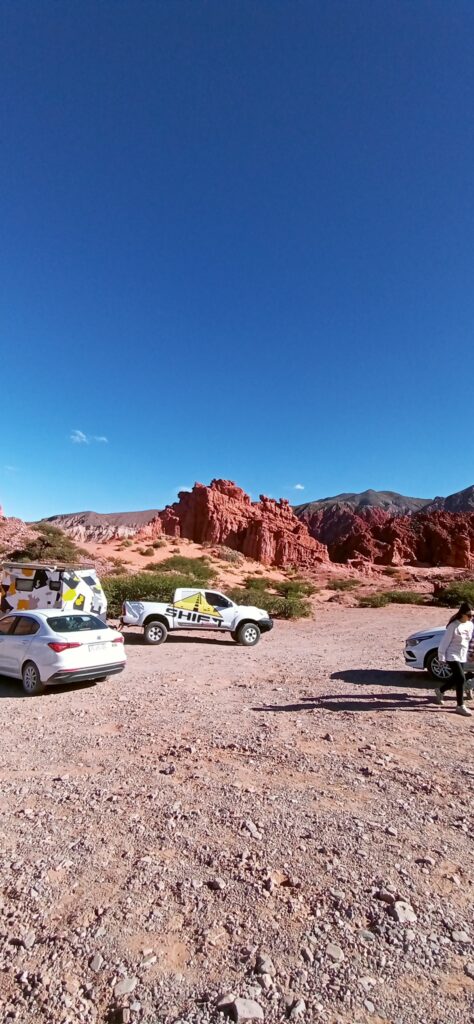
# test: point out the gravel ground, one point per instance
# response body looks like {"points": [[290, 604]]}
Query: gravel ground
{"points": [[282, 833]]}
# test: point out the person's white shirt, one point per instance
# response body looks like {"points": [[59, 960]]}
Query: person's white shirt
{"points": [[455, 643]]}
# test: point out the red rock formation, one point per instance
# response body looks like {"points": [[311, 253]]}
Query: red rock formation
{"points": [[222, 513], [425, 538]]}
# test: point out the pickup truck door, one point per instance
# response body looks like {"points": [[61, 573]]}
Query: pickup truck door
{"points": [[203, 609], [222, 607]]}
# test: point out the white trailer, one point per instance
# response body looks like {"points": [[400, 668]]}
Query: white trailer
{"points": [[25, 586]]}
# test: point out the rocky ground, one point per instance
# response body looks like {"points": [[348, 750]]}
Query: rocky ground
{"points": [[282, 833]]}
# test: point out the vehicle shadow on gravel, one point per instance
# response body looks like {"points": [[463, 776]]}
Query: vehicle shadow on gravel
{"points": [[13, 688], [136, 640]]}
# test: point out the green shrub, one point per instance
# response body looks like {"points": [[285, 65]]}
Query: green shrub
{"points": [[343, 584], [295, 588], [142, 586], [197, 570], [126, 544], [258, 583], [391, 597], [159, 543], [405, 597], [390, 570], [229, 555], [455, 593], [373, 601], [52, 545], [292, 607]]}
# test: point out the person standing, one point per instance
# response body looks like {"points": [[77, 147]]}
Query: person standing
{"points": [[453, 650]]}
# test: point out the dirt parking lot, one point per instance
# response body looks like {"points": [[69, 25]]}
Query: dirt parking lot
{"points": [[289, 825]]}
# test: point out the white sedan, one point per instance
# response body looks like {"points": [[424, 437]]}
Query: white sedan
{"points": [[47, 648], [421, 651]]}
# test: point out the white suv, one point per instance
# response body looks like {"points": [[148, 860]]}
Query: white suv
{"points": [[421, 651]]}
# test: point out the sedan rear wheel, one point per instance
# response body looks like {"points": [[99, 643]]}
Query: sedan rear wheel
{"points": [[32, 684], [438, 670]]}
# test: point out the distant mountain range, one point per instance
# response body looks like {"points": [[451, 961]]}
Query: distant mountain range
{"points": [[102, 526], [396, 504], [328, 519], [390, 501]]}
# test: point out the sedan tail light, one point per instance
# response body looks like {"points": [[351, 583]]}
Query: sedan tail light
{"points": [[62, 647], [118, 640]]}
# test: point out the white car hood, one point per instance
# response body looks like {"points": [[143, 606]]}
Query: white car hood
{"points": [[426, 632]]}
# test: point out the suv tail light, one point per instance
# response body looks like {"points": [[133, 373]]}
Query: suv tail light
{"points": [[62, 647], [118, 640]]}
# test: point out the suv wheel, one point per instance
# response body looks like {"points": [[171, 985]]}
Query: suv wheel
{"points": [[32, 684], [248, 635], [155, 632], [438, 670]]}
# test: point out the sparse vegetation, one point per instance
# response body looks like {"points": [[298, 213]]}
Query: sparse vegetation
{"points": [[456, 592], [159, 543], [383, 598], [258, 583], [197, 571], [292, 607], [52, 545], [405, 597], [295, 589], [373, 601], [142, 586], [118, 566], [343, 585], [226, 554], [126, 544]]}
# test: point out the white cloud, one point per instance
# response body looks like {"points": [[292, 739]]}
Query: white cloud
{"points": [[79, 437], [298, 487]]}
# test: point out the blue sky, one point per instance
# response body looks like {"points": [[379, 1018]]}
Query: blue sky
{"points": [[237, 240]]}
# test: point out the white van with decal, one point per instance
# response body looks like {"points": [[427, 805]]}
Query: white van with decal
{"points": [[25, 586], [197, 609]]}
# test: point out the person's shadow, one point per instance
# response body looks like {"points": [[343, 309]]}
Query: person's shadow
{"points": [[388, 701]]}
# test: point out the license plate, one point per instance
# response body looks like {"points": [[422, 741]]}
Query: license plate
{"points": [[105, 645]]}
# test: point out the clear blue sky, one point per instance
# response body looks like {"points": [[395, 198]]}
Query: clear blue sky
{"points": [[236, 240]]}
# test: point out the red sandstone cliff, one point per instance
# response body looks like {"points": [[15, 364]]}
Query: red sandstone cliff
{"points": [[266, 530], [425, 538]]}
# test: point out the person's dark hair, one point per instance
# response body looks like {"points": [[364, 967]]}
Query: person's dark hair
{"points": [[464, 609]]}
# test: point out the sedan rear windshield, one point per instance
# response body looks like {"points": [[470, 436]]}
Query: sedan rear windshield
{"points": [[75, 623]]}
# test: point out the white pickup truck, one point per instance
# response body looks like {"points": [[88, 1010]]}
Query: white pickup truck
{"points": [[197, 609]]}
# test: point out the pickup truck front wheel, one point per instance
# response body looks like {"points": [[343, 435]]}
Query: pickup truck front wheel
{"points": [[248, 635], [155, 632]]}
